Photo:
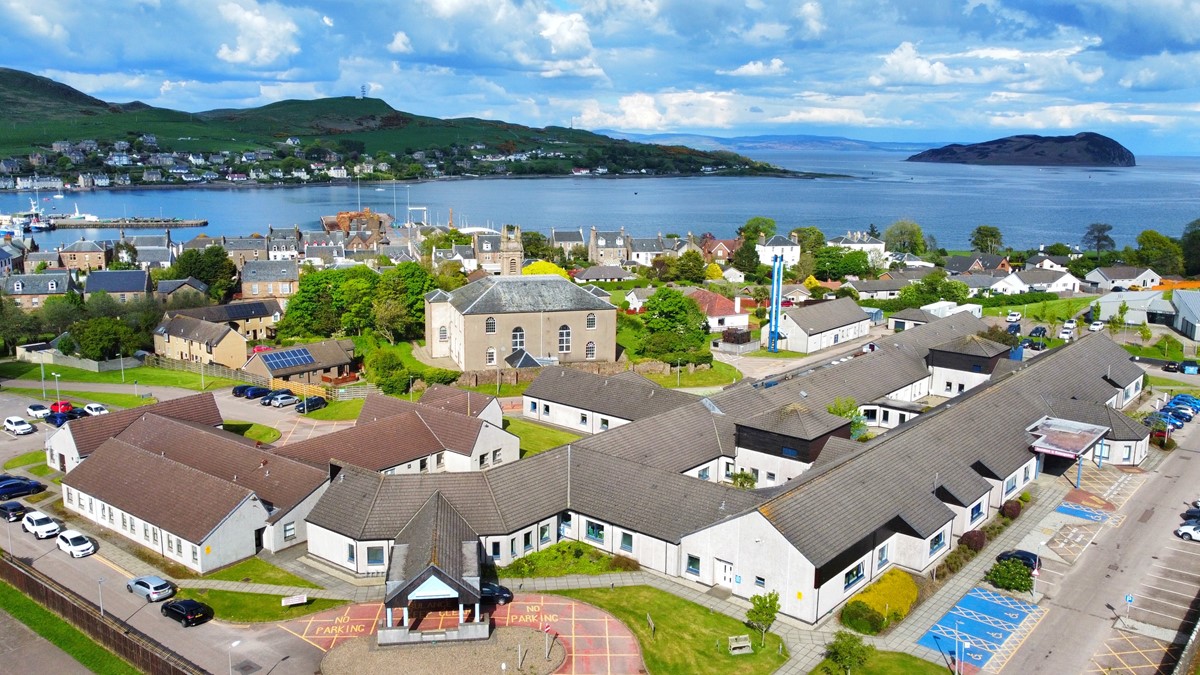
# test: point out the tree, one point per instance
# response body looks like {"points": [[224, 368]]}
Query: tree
{"points": [[757, 226], [15, 325], [828, 262], [846, 406], [536, 245], [211, 265], [1144, 333], [987, 239], [904, 236], [1159, 252], [104, 337], [848, 651], [998, 334], [804, 267], [690, 267], [745, 258], [102, 304], [400, 301], [854, 263], [390, 316], [543, 267], [743, 480], [713, 272], [810, 238], [1058, 248], [763, 610], [873, 231], [669, 313], [355, 296], [1097, 239], [1190, 245]]}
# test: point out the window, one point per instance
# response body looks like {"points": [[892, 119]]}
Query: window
{"points": [[17, 286], [949, 386], [528, 540], [545, 408], [771, 476], [374, 555], [124, 522], [729, 469], [495, 550], [595, 532], [583, 419], [518, 338], [544, 533], [754, 472], [703, 474], [976, 368], [349, 552], [693, 564], [496, 459], [626, 541], [1126, 456], [760, 582], [589, 351], [483, 460], [603, 424], [284, 289], [791, 452], [937, 543], [289, 531], [564, 339], [884, 417], [512, 547], [591, 322], [1027, 474], [254, 289], [442, 335], [881, 557], [146, 531], [1010, 485], [490, 356], [854, 576], [512, 266], [976, 511], [155, 533], [961, 387], [195, 554], [489, 326], [70, 495], [533, 406]]}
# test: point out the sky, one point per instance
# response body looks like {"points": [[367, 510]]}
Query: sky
{"points": [[881, 70]]}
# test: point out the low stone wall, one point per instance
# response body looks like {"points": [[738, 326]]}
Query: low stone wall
{"points": [[52, 357]]}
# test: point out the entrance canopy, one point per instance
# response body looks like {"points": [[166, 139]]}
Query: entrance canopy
{"points": [[1065, 438]]}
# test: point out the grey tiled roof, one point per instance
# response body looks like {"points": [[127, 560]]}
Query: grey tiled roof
{"points": [[972, 345], [233, 311], [1037, 275], [171, 285], [437, 536], [778, 241], [39, 284], [816, 318], [1121, 273], [326, 354], [915, 314], [245, 243], [797, 420], [270, 270], [195, 330], [619, 397], [118, 281], [525, 293], [696, 435], [566, 237], [601, 272], [877, 285]]}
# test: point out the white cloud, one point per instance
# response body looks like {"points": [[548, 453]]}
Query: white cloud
{"points": [[327, 21], [811, 18], [1074, 116], [46, 27], [765, 31], [757, 69], [663, 111], [567, 34], [905, 66], [400, 43], [264, 34]]}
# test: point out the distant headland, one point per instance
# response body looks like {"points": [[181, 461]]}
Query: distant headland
{"points": [[1083, 149]]}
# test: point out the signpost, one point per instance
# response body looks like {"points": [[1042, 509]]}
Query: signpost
{"points": [[1128, 604]]}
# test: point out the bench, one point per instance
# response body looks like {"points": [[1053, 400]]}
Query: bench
{"points": [[740, 644]]}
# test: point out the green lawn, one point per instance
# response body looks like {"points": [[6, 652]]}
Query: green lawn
{"points": [[719, 375], [145, 376], [781, 354], [1155, 351], [253, 607], [565, 557], [259, 571], [505, 391], [62, 634], [252, 430], [107, 398], [688, 639], [41, 470], [339, 410], [889, 663], [32, 457], [536, 437], [1052, 310]]}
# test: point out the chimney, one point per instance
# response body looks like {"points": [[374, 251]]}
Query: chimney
{"points": [[737, 304]]}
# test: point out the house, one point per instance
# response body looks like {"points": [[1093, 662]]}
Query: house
{"points": [[601, 273], [120, 285], [733, 275], [820, 325], [567, 240], [795, 294], [187, 339], [910, 318], [1057, 263], [637, 297], [85, 256], [1140, 307], [608, 248], [242, 250], [874, 247], [464, 402], [240, 498], [643, 250], [589, 404], [278, 279], [722, 312], [486, 321], [1187, 313], [880, 289], [719, 251], [500, 253], [34, 259], [977, 262], [778, 245], [908, 261], [327, 362], [169, 289], [1045, 280], [252, 319], [1123, 277], [30, 291]]}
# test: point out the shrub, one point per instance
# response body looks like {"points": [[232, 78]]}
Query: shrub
{"points": [[993, 529], [974, 540], [1010, 575], [625, 564], [891, 596], [859, 616], [440, 376], [1011, 509], [1025, 497]]}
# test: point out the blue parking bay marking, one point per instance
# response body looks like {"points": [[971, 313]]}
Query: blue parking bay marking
{"points": [[984, 619], [1084, 512]]}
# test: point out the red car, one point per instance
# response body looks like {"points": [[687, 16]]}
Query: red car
{"points": [[60, 407]]}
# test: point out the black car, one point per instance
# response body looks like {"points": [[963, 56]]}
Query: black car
{"points": [[1038, 332], [256, 392], [310, 404], [1191, 514], [1014, 329], [1171, 367], [12, 511], [496, 593], [266, 400], [240, 390], [187, 612], [1037, 345], [19, 487], [76, 413], [1028, 559]]}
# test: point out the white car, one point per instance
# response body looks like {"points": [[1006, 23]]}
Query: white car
{"points": [[1096, 326], [1070, 324], [1066, 333], [37, 411], [1188, 532], [41, 525], [94, 409], [17, 425], [1013, 317], [75, 543]]}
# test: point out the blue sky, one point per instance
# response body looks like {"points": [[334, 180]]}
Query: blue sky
{"points": [[926, 70]]}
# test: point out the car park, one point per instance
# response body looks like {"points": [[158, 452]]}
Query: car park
{"points": [[1038, 332], [73, 542], [187, 612], [257, 392], [12, 511], [152, 588], [490, 592], [284, 400], [1013, 317], [1096, 326], [240, 390], [1070, 323], [37, 411], [17, 425], [39, 525], [19, 487], [1188, 532], [60, 407], [310, 404], [95, 409], [271, 396], [1171, 367], [1181, 402], [1026, 558]]}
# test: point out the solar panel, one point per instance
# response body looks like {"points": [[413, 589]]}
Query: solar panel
{"points": [[244, 310], [288, 359]]}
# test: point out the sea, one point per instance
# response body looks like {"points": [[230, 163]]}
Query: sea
{"points": [[1031, 205]]}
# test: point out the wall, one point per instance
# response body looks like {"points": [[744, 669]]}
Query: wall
{"points": [[568, 417], [766, 464], [54, 358], [273, 538], [951, 382]]}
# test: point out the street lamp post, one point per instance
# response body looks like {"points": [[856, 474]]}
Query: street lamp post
{"points": [[231, 647], [42, 363], [100, 591], [122, 361], [678, 370], [957, 660], [57, 396]]}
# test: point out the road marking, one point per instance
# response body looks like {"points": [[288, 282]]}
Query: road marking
{"points": [[1189, 596], [113, 565]]}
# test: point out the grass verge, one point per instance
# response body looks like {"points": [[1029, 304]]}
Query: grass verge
{"points": [[719, 375], [887, 663], [145, 376], [505, 390], [688, 638], [781, 354], [338, 411], [61, 634], [252, 430], [254, 607], [107, 398], [259, 571], [567, 557], [41, 470], [536, 437], [32, 457]]}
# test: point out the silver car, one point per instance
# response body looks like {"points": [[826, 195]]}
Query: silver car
{"points": [[284, 400], [151, 588]]}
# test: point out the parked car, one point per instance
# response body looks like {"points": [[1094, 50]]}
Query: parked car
{"points": [[1013, 317], [77, 413], [257, 392], [17, 425], [1118, 289], [1187, 397], [95, 409], [39, 525], [1096, 326], [19, 487], [57, 419], [1014, 329], [1191, 514], [1037, 345], [490, 592], [60, 407], [261, 348], [284, 400], [1167, 419], [271, 396], [1028, 559], [1185, 415], [152, 588], [1066, 333], [310, 404], [73, 542], [240, 390], [1180, 402], [1188, 532], [1070, 323], [12, 511], [1038, 332], [187, 612], [37, 411], [1171, 367]]}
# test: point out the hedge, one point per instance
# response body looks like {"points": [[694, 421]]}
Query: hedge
{"points": [[859, 616], [890, 598]]}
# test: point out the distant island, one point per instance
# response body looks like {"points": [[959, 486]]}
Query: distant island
{"points": [[1083, 149]]}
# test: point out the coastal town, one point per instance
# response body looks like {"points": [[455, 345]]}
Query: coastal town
{"points": [[407, 432]]}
